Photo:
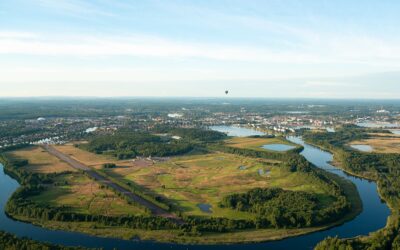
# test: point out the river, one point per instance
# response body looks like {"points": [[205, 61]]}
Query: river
{"points": [[372, 218]]}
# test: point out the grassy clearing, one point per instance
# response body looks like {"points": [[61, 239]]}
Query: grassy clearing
{"points": [[40, 161], [381, 144], [83, 195], [256, 143]]}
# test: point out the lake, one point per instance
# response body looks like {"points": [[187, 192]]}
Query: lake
{"points": [[237, 131], [278, 147], [362, 147], [395, 131], [370, 124]]}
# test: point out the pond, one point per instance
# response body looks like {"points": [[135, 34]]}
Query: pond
{"points": [[237, 131], [362, 147], [206, 208], [371, 124], [395, 131], [330, 130], [278, 147]]}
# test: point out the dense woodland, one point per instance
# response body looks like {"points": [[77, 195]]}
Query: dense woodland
{"points": [[384, 168], [191, 134], [282, 208], [124, 145], [258, 153]]}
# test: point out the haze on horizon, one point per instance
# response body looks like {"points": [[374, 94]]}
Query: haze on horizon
{"points": [[307, 49]]}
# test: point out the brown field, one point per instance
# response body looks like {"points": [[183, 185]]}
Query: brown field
{"points": [[384, 134], [382, 144], [91, 159], [40, 161]]}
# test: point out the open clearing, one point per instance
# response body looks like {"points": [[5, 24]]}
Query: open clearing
{"points": [[39, 161], [256, 143], [381, 144]]}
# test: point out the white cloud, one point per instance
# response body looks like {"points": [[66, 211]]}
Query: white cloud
{"points": [[326, 49], [145, 46]]}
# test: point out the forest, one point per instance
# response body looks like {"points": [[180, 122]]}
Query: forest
{"points": [[192, 134], [283, 208], [11, 242], [124, 145]]}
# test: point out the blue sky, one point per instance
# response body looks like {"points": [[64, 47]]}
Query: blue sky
{"points": [[290, 48]]}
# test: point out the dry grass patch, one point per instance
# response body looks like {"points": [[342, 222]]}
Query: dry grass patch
{"points": [[381, 144], [90, 159], [40, 161]]}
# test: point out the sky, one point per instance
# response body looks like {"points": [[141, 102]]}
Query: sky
{"points": [[200, 48]]}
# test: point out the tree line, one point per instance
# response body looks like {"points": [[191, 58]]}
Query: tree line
{"points": [[11, 242]]}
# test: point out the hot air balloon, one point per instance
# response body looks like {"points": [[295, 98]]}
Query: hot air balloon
{"points": [[226, 92]]}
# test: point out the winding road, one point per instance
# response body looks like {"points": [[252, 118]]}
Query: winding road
{"points": [[154, 209]]}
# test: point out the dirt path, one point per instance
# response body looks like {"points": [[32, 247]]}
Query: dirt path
{"points": [[155, 210]]}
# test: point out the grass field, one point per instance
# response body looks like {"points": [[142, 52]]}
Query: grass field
{"points": [[40, 161], [381, 144], [256, 143], [205, 179]]}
